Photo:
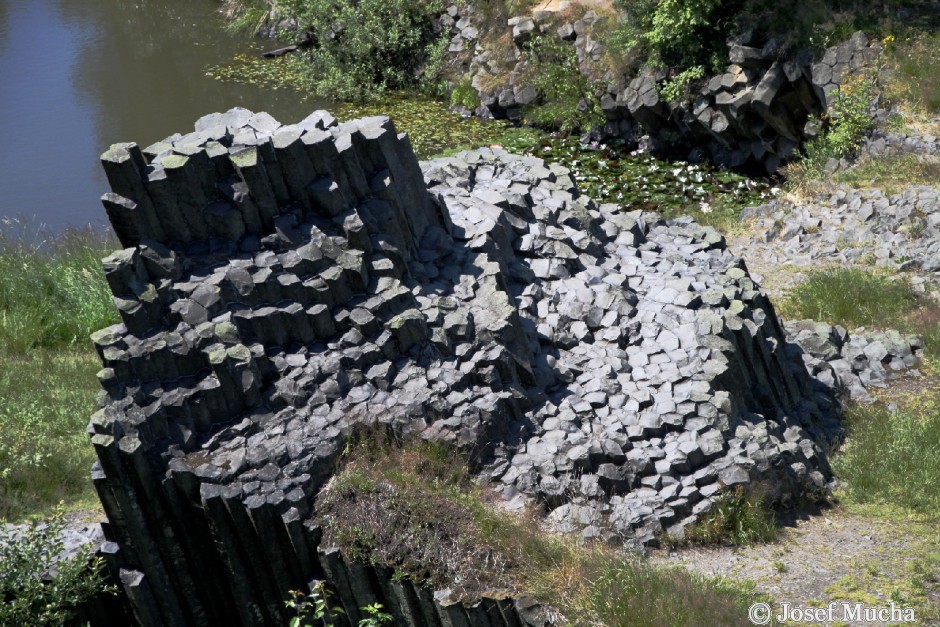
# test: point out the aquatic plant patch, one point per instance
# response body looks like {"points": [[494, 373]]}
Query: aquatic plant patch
{"points": [[636, 180]]}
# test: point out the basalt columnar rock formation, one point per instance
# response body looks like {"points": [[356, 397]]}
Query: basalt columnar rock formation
{"points": [[281, 285], [753, 116]]}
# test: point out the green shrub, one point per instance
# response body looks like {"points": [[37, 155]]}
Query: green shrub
{"points": [[846, 124], [362, 48], [464, 95], [676, 88], [568, 101], [26, 558], [892, 457], [679, 33], [318, 608]]}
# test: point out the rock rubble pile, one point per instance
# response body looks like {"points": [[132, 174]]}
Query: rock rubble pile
{"points": [[899, 231], [850, 363], [282, 285]]}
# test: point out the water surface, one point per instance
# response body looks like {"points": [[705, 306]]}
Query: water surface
{"points": [[79, 75]]}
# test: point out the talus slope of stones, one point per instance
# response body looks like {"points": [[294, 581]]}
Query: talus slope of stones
{"points": [[281, 285]]}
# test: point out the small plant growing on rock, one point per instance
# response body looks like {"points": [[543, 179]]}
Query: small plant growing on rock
{"points": [[314, 608], [847, 121], [38, 586]]}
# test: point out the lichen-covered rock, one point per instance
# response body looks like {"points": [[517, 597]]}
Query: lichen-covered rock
{"points": [[283, 284]]}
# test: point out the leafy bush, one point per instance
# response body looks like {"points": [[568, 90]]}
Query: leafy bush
{"points": [[568, 100], [846, 123], [465, 95], [679, 33], [361, 48], [27, 597], [318, 607], [675, 88]]}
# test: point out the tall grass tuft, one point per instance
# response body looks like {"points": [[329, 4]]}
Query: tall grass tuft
{"points": [[52, 291], [851, 297], [614, 590], [738, 518], [892, 456]]}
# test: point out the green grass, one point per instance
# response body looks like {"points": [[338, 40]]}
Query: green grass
{"points": [[854, 297], [893, 456], [415, 508], [53, 295], [914, 64], [891, 173], [617, 591], [52, 291], [851, 297], [46, 399], [738, 518]]}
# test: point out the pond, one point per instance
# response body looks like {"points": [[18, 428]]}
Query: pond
{"points": [[79, 75]]}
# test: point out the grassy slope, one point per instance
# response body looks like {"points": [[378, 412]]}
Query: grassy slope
{"points": [[416, 508], [52, 296]]}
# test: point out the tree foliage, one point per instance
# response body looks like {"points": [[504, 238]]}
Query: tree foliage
{"points": [[365, 46]]}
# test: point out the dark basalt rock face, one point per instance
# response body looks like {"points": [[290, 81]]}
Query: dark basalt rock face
{"points": [[281, 285]]}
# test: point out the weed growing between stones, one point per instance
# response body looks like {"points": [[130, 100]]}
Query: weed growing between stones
{"points": [[846, 123], [317, 608], [413, 506], [26, 559], [738, 518]]}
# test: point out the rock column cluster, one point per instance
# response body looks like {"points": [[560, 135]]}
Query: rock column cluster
{"points": [[282, 285]]}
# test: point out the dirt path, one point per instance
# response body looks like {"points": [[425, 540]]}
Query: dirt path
{"points": [[835, 555]]}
